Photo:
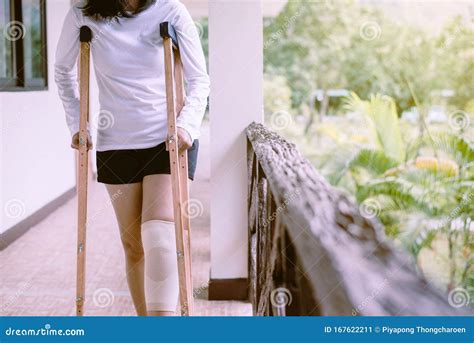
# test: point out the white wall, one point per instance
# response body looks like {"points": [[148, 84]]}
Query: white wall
{"points": [[37, 164], [236, 71]]}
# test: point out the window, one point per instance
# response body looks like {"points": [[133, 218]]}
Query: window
{"points": [[23, 63]]}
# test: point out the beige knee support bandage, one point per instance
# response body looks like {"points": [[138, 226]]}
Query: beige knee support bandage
{"points": [[161, 265]]}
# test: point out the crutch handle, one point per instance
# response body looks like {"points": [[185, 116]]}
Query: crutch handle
{"points": [[167, 31]]}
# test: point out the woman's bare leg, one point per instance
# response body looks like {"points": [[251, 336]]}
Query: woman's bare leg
{"points": [[157, 205], [127, 203]]}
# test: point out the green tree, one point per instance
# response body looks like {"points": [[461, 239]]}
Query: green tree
{"points": [[456, 62], [343, 44]]}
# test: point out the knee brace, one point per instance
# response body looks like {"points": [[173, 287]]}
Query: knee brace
{"points": [[161, 265]]}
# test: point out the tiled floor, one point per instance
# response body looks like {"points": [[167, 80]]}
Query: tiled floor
{"points": [[37, 272]]}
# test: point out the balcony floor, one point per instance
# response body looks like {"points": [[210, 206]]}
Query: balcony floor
{"points": [[38, 270]]}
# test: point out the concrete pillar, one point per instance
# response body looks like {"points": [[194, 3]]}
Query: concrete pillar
{"points": [[236, 71]]}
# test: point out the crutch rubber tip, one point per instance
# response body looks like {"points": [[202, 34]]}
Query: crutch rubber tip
{"points": [[86, 34]]}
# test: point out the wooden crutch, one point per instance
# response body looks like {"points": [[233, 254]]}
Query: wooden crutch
{"points": [[82, 167], [179, 165]]}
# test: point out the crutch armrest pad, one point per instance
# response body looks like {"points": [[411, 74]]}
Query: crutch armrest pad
{"points": [[167, 31], [85, 34]]}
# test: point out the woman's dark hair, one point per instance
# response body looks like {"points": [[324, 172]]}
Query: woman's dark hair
{"points": [[112, 9]]}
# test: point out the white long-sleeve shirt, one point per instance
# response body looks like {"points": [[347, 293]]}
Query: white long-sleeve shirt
{"points": [[128, 60]]}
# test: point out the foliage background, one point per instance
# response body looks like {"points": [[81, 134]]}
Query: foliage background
{"points": [[382, 142]]}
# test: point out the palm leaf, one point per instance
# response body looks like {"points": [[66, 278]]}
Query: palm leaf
{"points": [[381, 115], [374, 161], [404, 195], [342, 160], [457, 147]]}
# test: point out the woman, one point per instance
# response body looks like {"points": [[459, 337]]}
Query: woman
{"points": [[132, 161]]}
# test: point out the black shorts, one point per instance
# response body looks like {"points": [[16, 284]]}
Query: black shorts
{"points": [[117, 167]]}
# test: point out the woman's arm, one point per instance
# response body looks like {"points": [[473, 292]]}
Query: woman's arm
{"points": [[195, 73], [65, 73]]}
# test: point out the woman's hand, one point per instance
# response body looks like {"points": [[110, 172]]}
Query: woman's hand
{"points": [[75, 141], [184, 139]]}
